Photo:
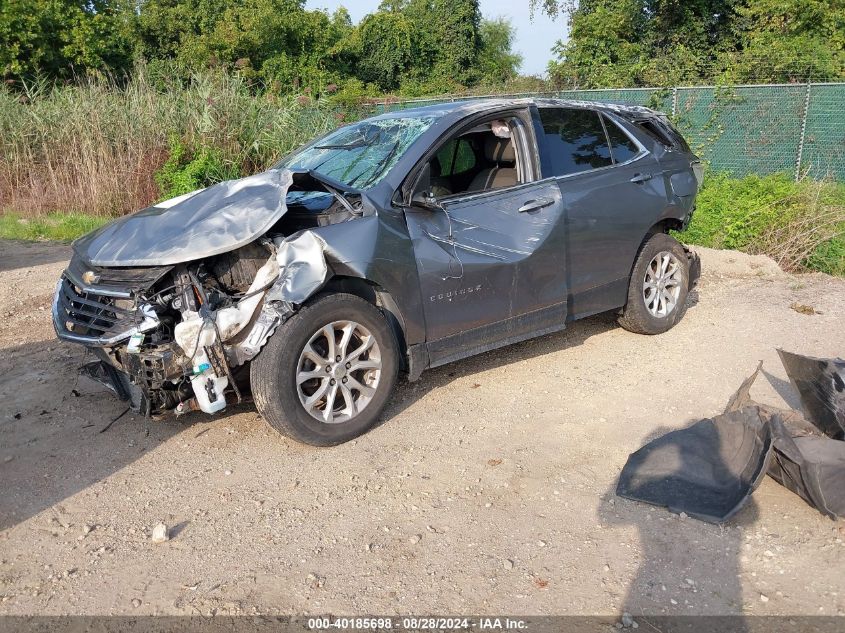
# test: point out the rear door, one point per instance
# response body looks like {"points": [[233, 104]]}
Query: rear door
{"points": [[612, 193]]}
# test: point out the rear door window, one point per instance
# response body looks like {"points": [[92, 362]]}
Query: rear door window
{"points": [[575, 140], [623, 147], [456, 157]]}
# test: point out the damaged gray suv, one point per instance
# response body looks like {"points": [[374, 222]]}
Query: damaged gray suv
{"points": [[395, 244]]}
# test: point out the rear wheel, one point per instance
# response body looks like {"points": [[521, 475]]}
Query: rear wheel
{"points": [[325, 375], [658, 288]]}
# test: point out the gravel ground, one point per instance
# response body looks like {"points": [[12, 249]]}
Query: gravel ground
{"points": [[487, 489]]}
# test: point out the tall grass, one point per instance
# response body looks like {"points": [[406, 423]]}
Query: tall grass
{"points": [[94, 147], [100, 149], [801, 225]]}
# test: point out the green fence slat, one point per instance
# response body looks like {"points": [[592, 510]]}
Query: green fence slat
{"points": [[743, 130]]}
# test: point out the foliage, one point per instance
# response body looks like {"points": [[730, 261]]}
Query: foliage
{"points": [[406, 45], [795, 38], [617, 43], [96, 146], [496, 61], [186, 171], [800, 225], [63, 38], [384, 49]]}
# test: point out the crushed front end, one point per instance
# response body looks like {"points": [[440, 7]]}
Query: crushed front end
{"points": [[174, 338], [106, 308], [127, 318], [176, 299]]}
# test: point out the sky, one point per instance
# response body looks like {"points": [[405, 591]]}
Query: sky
{"points": [[534, 38]]}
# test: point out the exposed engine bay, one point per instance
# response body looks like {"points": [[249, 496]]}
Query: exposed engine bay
{"points": [[178, 337]]}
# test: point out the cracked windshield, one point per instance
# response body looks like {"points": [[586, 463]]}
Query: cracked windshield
{"points": [[360, 155]]}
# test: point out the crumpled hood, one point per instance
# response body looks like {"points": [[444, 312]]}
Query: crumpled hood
{"points": [[200, 224]]}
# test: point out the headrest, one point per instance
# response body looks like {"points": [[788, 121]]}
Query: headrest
{"points": [[499, 150]]}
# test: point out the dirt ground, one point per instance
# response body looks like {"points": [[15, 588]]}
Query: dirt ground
{"points": [[487, 489]]}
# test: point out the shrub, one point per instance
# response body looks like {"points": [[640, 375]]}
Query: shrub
{"points": [[186, 171], [801, 225]]}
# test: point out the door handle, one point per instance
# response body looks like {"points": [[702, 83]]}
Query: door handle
{"points": [[534, 205], [641, 178]]}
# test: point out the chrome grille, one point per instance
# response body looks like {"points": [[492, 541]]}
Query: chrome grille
{"points": [[91, 314], [121, 279]]}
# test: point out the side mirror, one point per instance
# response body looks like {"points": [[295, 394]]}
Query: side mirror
{"points": [[422, 195], [425, 199]]}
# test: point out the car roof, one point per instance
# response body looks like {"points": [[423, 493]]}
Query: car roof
{"points": [[464, 107]]}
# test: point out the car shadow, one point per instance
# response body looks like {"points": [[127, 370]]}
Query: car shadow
{"points": [[59, 433], [575, 334]]}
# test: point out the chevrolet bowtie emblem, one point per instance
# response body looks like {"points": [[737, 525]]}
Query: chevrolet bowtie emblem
{"points": [[90, 277]]}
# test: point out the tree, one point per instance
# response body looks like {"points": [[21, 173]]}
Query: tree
{"points": [[641, 42], [497, 63], [271, 41], [385, 49], [456, 24], [605, 44], [64, 38], [786, 40], [662, 42]]}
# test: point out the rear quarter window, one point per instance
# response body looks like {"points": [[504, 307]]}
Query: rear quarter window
{"points": [[624, 148], [664, 132]]}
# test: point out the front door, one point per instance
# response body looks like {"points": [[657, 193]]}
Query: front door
{"points": [[491, 268]]}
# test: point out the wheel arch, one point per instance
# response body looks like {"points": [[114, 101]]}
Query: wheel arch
{"points": [[664, 226], [379, 297]]}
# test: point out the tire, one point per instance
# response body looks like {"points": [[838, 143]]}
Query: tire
{"points": [[642, 313], [281, 398]]}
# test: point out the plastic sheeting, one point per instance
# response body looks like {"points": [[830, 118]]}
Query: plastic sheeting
{"points": [[707, 470], [821, 384], [710, 469], [208, 222]]}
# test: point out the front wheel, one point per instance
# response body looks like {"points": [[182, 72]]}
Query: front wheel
{"points": [[658, 288], [326, 373]]}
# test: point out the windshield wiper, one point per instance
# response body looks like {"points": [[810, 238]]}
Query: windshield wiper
{"points": [[378, 168], [353, 145]]}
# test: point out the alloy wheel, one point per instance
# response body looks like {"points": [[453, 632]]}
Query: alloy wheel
{"points": [[662, 284], [338, 371]]}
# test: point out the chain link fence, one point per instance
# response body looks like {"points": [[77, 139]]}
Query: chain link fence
{"points": [[761, 129]]}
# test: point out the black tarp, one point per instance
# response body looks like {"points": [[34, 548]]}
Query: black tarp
{"points": [[710, 469], [707, 470], [821, 384]]}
